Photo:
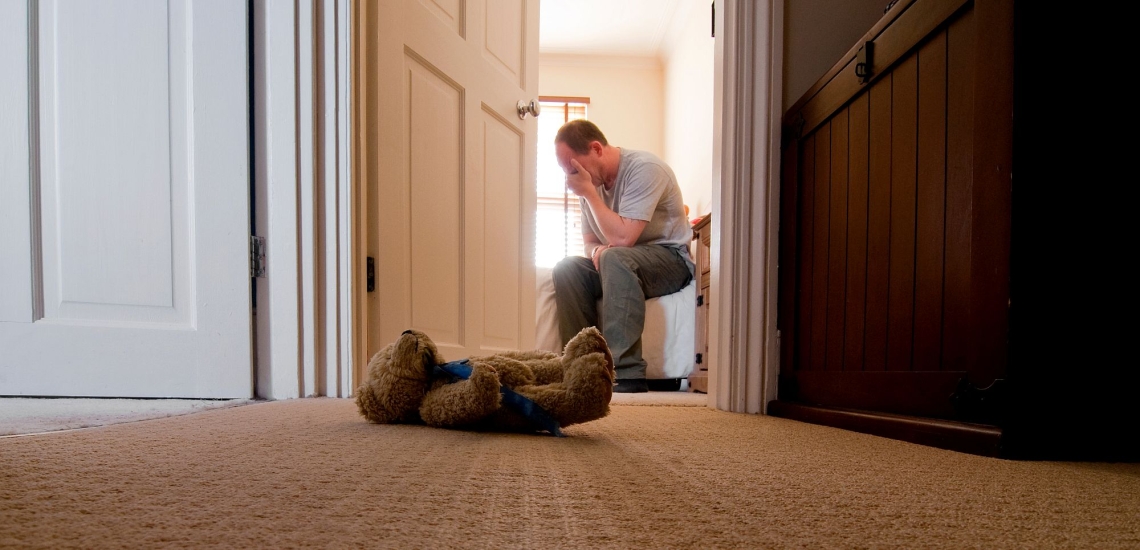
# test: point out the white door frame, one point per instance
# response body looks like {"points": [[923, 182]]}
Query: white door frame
{"points": [[745, 350], [300, 158]]}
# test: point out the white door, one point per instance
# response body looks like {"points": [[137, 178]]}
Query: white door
{"points": [[124, 199], [455, 176]]}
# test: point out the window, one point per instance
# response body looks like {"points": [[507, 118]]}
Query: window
{"points": [[559, 217]]}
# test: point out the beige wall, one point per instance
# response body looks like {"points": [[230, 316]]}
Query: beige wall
{"points": [[817, 33], [689, 105], [626, 95]]}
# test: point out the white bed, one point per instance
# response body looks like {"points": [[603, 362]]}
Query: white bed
{"points": [[668, 343]]}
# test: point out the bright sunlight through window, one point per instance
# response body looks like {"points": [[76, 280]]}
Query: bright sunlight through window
{"points": [[559, 218]]}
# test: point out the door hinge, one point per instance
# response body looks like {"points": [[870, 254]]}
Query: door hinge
{"points": [[371, 275], [700, 300], [980, 405], [257, 264], [700, 358]]}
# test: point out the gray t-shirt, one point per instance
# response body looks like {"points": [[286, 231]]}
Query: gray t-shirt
{"points": [[645, 189]]}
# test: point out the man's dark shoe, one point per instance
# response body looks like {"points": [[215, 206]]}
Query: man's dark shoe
{"points": [[664, 384], [631, 385]]}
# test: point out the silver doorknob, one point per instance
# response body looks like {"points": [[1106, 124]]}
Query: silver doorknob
{"points": [[532, 108]]}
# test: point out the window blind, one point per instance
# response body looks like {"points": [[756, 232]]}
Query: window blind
{"points": [[558, 218]]}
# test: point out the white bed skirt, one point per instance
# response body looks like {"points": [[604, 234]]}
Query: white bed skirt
{"points": [[668, 343]]}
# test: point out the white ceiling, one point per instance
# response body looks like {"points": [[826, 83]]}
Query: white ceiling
{"points": [[633, 28]]}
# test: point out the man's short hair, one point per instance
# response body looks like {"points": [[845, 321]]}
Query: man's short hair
{"points": [[577, 135]]}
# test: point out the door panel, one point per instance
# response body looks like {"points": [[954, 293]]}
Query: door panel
{"points": [[128, 190], [503, 147], [435, 189], [505, 38], [16, 212], [113, 179], [452, 189]]}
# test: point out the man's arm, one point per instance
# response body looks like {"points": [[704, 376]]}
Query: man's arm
{"points": [[593, 247], [618, 231], [590, 242]]}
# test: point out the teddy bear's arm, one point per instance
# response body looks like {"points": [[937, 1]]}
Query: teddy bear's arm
{"points": [[464, 402]]}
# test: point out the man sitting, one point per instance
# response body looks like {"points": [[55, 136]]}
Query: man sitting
{"points": [[637, 239]]}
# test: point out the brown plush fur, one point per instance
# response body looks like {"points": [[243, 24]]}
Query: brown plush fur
{"points": [[574, 387]]}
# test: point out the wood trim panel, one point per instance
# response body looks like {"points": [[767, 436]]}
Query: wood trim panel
{"points": [[821, 211], [878, 224], [976, 439], [959, 194], [888, 18], [855, 293], [992, 187], [899, 392], [789, 217], [901, 29], [837, 245], [904, 152], [806, 230], [930, 201]]}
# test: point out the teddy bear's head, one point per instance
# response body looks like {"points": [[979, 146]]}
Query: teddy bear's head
{"points": [[398, 378]]}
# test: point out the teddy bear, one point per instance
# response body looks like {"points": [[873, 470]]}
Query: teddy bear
{"points": [[410, 382]]}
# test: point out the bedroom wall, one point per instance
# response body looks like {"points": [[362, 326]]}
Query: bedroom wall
{"points": [[688, 60], [816, 34], [626, 95]]}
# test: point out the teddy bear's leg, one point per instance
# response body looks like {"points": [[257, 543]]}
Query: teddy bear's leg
{"points": [[584, 393], [464, 402], [545, 366], [547, 371], [512, 372]]}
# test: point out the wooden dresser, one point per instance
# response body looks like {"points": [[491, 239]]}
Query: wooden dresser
{"points": [[698, 380]]}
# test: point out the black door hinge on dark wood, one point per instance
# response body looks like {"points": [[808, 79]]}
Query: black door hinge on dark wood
{"points": [[700, 358], [980, 405], [371, 274], [700, 300]]}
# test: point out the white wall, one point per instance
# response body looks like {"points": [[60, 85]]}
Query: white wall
{"points": [[626, 95], [689, 103], [817, 33]]}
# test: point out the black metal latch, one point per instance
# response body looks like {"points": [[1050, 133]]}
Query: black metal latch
{"points": [[981, 405], [371, 274], [864, 60]]}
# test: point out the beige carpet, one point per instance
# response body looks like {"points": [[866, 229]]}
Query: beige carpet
{"points": [[311, 473]]}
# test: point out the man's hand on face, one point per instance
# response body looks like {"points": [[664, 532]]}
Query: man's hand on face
{"points": [[579, 180]]}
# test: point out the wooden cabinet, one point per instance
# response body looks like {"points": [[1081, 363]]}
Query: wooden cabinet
{"points": [[895, 232], [698, 380], [899, 251]]}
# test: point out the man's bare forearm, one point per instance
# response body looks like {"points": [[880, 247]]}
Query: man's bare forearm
{"points": [[617, 230]]}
